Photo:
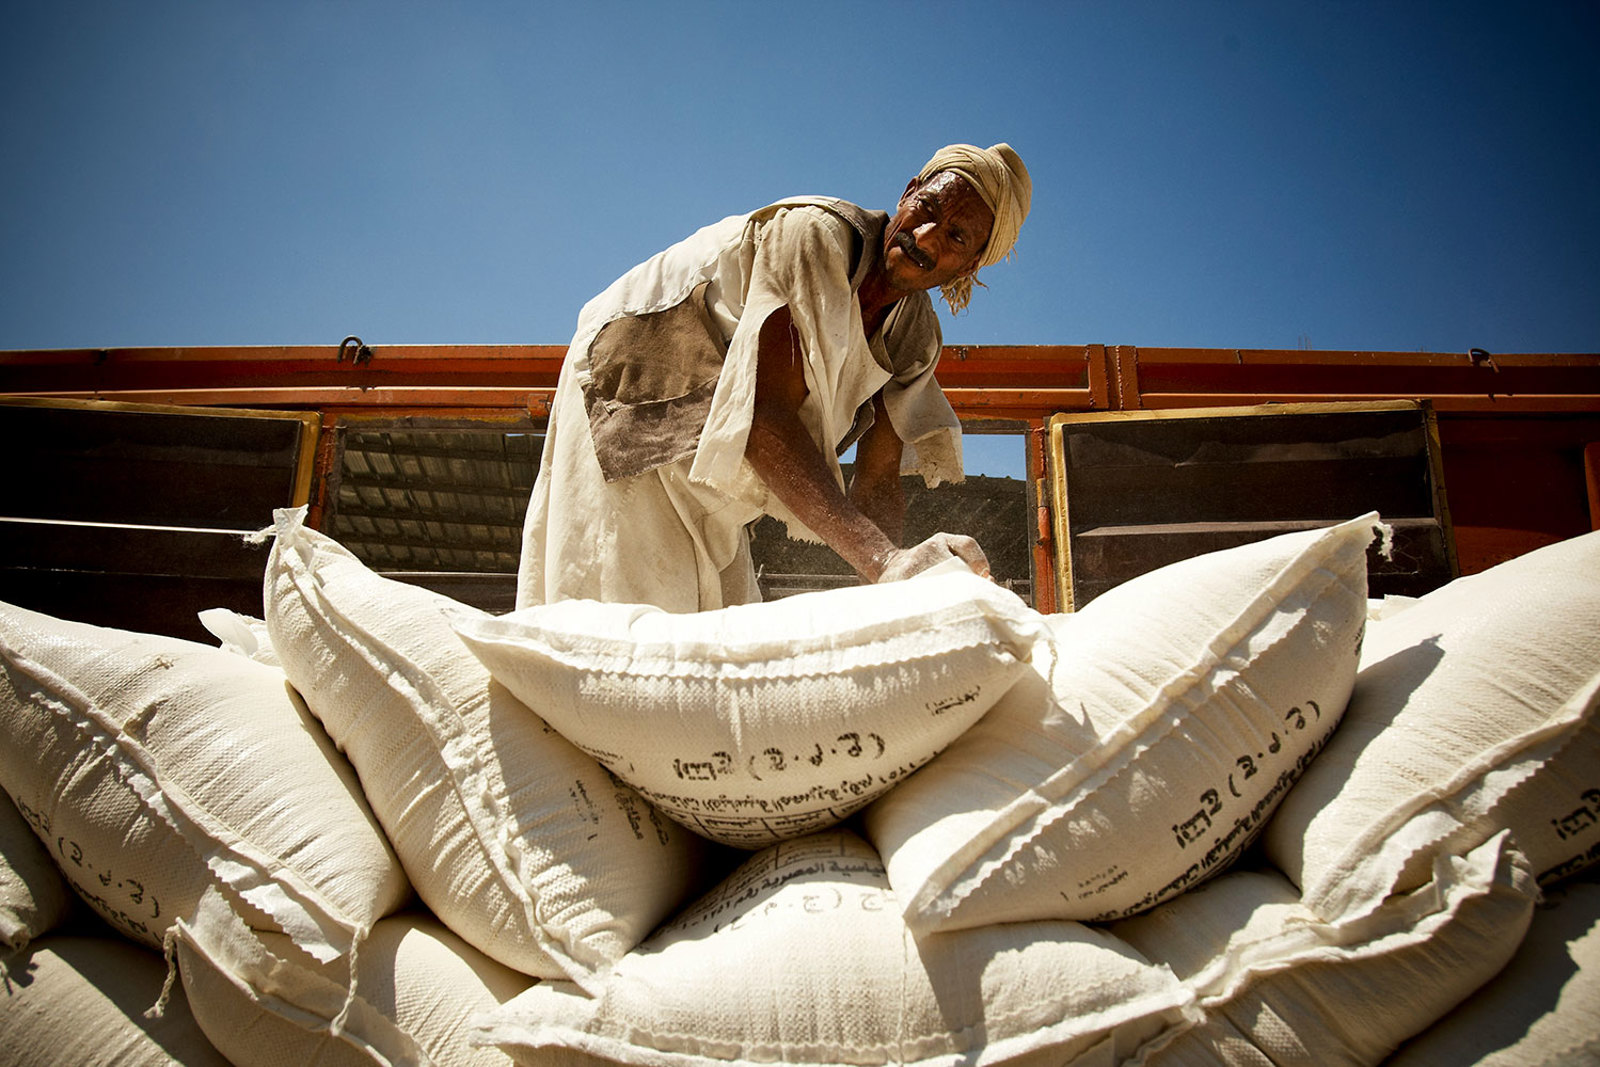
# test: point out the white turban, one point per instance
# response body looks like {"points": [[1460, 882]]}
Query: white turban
{"points": [[1001, 180]]}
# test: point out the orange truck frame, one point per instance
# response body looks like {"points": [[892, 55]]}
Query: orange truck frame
{"points": [[1519, 432]]}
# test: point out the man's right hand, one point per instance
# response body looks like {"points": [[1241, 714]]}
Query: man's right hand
{"points": [[904, 562]]}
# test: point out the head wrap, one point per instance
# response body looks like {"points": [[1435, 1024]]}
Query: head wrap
{"points": [[1000, 179]]}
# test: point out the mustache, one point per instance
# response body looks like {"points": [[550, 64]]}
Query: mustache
{"points": [[908, 244]]}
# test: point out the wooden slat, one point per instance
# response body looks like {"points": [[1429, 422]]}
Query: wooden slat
{"points": [[1591, 478], [1017, 403], [1546, 404], [1018, 366], [1102, 379], [1549, 430], [1175, 377], [1015, 380], [456, 403]]}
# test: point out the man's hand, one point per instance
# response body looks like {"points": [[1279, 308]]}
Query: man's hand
{"points": [[904, 562]]}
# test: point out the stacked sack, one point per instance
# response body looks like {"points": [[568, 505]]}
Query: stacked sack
{"points": [[159, 769], [1541, 1009], [907, 824], [1136, 751], [524, 846], [1161, 727], [1475, 711], [71, 997], [1404, 871], [160, 773]]}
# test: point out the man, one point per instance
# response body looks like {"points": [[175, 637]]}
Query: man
{"points": [[721, 379]]}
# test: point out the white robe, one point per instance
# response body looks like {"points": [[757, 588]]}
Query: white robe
{"points": [[674, 535]]}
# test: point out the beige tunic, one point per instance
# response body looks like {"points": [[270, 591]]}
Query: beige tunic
{"points": [[644, 494]]}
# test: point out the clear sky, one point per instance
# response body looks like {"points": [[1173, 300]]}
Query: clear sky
{"points": [[1392, 174]]}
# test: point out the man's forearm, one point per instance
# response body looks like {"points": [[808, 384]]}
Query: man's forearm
{"points": [[783, 454]]}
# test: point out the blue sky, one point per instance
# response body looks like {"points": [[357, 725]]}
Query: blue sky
{"points": [[1370, 175]]}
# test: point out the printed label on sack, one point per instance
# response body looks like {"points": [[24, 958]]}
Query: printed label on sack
{"points": [[780, 791], [1227, 816], [742, 818], [1572, 829], [636, 812], [752, 891], [122, 900]]}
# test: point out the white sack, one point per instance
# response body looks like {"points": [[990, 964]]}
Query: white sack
{"points": [[801, 957], [1544, 1008], [33, 897], [1280, 987], [1475, 710], [83, 1001], [760, 722], [518, 842], [416, 985], [156, 767], [1158, 729]]}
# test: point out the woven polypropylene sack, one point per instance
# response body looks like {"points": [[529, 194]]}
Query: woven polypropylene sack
{"points": [[521, 844], [1278, 985], [84, 1001], [1158, 729], [801, 957], [415, 987], [155, 768], [1543, 1008], [33, 896], [1477, 709], [767, 721]]}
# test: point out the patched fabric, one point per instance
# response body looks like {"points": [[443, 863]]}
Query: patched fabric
{"points": [[650, 368], [650, 385]]}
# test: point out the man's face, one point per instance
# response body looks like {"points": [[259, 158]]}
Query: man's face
{"points": [[936, 234]]}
